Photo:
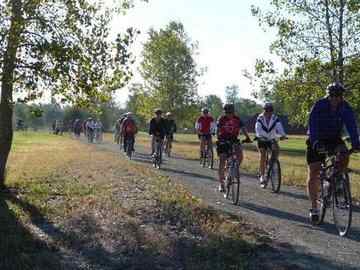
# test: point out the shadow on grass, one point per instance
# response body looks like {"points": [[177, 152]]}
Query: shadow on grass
{"points": [[19, 248]]}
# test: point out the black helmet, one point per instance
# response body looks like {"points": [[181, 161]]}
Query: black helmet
{"points": [[335, 89], [204, 110], [268, 106], [158, 111], [229, 108]]}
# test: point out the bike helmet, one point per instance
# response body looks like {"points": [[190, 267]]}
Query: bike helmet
{"points": [[335, 89], [268, 107], [168, 114], [158, 111], [229, 108], [204, 110]]}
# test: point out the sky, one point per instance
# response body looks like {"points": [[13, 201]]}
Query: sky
{"points": [[229, 38]]}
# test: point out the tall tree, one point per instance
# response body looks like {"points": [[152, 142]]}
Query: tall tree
{"points": [[232, 94], [169, 71], [59, 45], [318, 43], [214, 104]]}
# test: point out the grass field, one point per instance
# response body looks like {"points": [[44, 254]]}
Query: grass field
{"points": [[292, 158], [71, 206]]}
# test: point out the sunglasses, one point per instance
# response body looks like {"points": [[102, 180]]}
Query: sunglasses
{"points": [[336, 95]]}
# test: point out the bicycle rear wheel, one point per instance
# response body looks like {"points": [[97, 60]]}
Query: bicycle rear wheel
{"points": [[275, 176], [342, 204], [233, 184]]}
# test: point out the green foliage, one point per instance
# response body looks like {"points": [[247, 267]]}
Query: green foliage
{"points": [[170, 73], [317, 41], [214, 104]]}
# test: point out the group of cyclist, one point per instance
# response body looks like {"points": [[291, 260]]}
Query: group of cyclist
{"points": [[326, 121]]}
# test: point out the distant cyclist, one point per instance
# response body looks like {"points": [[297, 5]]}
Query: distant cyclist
{"points": [[77, 127], [129, 130], [117, 132], [170, 130], [228, 129], [99, 128], [205, 127], [90, 129], [268, 127], [326, 121], [157, 129]]}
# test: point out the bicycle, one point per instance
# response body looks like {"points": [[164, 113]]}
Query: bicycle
{"points": [[168, 145], [157, 156], [90, 135], [129, 146], [232, 172], [273, 168], [335, 191], [207, 155]]}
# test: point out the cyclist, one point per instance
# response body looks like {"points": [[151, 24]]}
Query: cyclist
{"points": [[157, 128], [170, 129], [326, 121], [228, 129], [77, 127], [90, 129], [118, 135], [268, 127], [205, 127], [98, 130], [128, 130]]}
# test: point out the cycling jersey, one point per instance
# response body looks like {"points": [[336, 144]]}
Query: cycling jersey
{"points": [[268, 130], [158, 127], [229, 127], [129, 127], [170, 126], [205, 124], [326, 124]]}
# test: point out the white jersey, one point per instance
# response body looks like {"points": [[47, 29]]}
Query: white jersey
{"points": [[269, 130]]}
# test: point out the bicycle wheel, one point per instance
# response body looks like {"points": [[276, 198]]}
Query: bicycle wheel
{"points": [[211, 159], [275, 176], [342, 204], [322, 202], [233, 184], [205, 158], [129, 148]]}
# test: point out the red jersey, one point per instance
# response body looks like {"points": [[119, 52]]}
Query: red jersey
{"points": [[129, 127], [204, 124], [229, 127]]}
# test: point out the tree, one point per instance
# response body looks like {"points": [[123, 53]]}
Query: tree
{"points": [[214, 104], [60, 46], [169, 71], [232, 94], [318, 43]]}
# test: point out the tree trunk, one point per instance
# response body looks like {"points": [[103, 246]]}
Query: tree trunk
{"points": [[331, 41], [6, 103], [340, 62]]}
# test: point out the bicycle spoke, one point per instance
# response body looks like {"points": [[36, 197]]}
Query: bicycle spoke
{"points": [[342, 204]]}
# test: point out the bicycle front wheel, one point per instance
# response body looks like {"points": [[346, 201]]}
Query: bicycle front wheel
{"points": [[233, 188], [342, 204], [275, 176]]}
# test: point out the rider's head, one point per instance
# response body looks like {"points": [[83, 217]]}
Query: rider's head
{"points": [[158, 112], [335, 92], [205, 110], [229, 108], [168, 114], [268, 107]]}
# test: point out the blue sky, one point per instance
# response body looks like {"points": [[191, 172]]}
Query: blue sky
{"points": [[229, 37]]}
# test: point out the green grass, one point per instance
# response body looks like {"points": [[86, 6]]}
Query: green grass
{"points": [[69, 196]]}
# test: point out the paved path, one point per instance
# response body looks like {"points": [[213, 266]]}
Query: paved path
{"points": [[283, 215]]}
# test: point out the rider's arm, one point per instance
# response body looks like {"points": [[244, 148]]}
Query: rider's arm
{"points": [[350, 124], [259, 132], [314, 123], [175, 127], [280, 129], [151, 127], [197, 125]]}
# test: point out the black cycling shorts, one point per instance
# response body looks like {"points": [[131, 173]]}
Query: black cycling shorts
{"points": [[224, 146], [264, 144], [313, 156], [205, 136]]}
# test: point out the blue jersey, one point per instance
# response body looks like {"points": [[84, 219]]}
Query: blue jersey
{"points": [[327, 125]]}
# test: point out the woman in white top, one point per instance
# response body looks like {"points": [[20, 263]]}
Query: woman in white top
{"points": [[268, 128]]}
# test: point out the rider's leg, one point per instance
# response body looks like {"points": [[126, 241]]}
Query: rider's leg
{"points": [[262, 155], [152, 144], [314, 183], [202, 145], [222, 160]]}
